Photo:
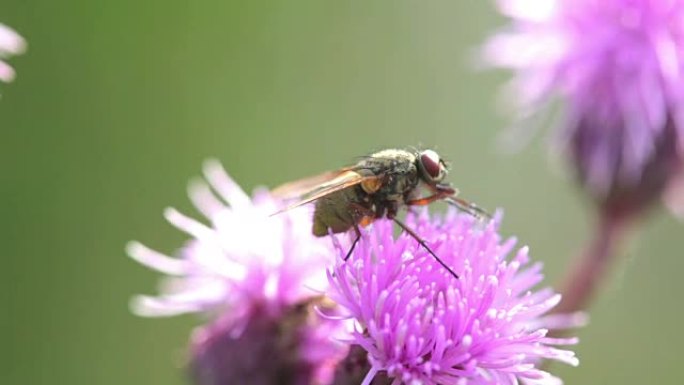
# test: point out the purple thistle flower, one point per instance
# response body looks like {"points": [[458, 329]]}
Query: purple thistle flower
{"points": [[420, 325], [10, 44], [618, 65], [258, 277]]}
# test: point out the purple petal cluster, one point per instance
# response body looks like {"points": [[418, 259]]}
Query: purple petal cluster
{"points": [[258, 276], [243, 256], [420, 325], [618, 66], [10, 44]]}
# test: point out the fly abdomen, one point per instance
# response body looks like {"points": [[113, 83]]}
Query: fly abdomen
{"points": [[336, 212]]}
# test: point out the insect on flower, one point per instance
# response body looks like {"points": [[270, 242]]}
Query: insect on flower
{"points": [[374, 188]]}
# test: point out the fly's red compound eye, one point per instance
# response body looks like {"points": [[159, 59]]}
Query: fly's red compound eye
{"points": [[431, 163]]}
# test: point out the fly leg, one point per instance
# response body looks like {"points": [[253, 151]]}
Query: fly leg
{"points": [[426, 200], [469, 208], [462, 204], [358, 236], [422, 243], [366, 215]]}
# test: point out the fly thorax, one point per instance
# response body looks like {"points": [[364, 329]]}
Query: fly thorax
{"points": [[398, 186]]}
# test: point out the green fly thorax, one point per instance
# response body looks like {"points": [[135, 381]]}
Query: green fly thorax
{"points": [[399, 169]]}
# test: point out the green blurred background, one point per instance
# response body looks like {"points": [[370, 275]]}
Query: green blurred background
{"points": [[117, 104]]}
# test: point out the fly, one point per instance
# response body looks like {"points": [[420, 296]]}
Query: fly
{"points": [[376, 187]]}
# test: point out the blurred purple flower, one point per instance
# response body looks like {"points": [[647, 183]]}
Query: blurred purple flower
{"points": [[619, 67], [10, 44], [420, 325], [258, 276]]}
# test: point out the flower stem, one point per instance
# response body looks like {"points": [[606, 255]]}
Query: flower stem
{"points": [[593, 265]]}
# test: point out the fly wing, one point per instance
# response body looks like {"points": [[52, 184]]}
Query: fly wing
{"points": [[334, 182], [301, 187]]}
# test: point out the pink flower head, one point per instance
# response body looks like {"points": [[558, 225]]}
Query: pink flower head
{"points": [[258, 275], [618, 66], [420, 325], [10, 44]]}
